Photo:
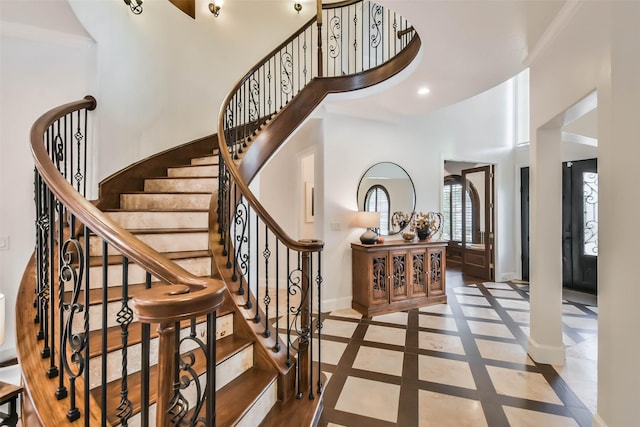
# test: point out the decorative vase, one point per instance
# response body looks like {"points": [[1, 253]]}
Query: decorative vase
{"points": [[423, 234], [408, 236]]}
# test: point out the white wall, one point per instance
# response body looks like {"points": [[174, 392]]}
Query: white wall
{"points": [[39, 70], [162, 76], [597, 49], [473, 130]]}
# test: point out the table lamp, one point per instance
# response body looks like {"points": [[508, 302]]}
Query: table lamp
{"points": [[368, 220]]}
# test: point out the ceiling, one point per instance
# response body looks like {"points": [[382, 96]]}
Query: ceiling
{"points": [[468, 46]]}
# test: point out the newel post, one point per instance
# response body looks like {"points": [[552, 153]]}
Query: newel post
{"points": [[307, 330], [166, 372]]}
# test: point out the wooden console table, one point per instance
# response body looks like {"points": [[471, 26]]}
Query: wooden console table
{"points": [[397, 275]]}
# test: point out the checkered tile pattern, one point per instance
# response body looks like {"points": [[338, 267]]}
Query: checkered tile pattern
{"points": [[458, 364]]}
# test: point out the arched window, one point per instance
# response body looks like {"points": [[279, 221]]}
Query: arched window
{"points": [[452, 209], [377, 200]]}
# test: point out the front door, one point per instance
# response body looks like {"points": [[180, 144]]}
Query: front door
{"points": [[579, 225]]}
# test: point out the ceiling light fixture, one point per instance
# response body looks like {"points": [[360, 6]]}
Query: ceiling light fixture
{"points": [[297, 6], [215, 7], [424, 91], [134, 5]]}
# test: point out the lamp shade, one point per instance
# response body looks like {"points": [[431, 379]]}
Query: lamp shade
{"points": [[366, 219], [2, 300]]}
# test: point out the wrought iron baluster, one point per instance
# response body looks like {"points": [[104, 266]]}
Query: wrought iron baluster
{"points": [[288, 309], [74, 363], [211, 371], [266, 253], [125, 317], [249, 273], [276, 347], [145, 375], [319, 322], [105, 322], [52, 371], [87, 343], [61, 390], [48, 273]]}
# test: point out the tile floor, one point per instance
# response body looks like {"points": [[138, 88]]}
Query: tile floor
{"points": [[458, 364]]}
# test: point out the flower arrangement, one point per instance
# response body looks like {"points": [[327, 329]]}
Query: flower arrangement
{"points": [[427, 224], [400, 219], [423, 224]]}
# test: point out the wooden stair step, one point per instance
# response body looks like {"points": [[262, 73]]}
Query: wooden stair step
{"points": [[96, 261], [165, 200], [231, 345], [294, 412], [114, 337], [236, 399]]}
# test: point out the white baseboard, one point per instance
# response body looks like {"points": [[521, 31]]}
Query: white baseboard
{"points": [[336, 304], [552, 355], [597, 421], [8, 354], [505, 277]]}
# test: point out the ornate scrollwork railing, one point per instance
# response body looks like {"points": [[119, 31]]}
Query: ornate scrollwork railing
{"points": [[360, 39], [75, 285]]}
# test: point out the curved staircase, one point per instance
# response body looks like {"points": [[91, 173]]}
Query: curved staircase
{"points": [[178, 267]]}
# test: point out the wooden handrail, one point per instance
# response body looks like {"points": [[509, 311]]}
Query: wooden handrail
{"points": [[290, 117], [302, 105], [249, 167], [405, 31], [204, 294]]}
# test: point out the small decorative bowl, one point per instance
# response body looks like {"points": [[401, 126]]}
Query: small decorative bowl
{"points": [[409, 236]]}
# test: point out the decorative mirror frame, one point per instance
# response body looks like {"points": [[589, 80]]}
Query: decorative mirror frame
{"points": [[409, 199]]}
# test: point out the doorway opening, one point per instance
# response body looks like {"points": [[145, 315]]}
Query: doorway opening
{"points": [[468, 210], [579, 225]]}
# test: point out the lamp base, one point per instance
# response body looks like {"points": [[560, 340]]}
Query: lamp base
{"points": [[369, 237]]}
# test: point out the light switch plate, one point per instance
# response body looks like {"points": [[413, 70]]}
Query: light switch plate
{"points": [[335, 226], [4, 243]]}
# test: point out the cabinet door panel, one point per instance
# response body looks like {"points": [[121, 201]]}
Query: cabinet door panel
{"points": [[436, 271], [418, 274], [379, 291], [399, 270]]}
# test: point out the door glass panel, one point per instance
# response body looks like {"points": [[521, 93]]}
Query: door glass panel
{"points": [[590, 210], [475, 208]]}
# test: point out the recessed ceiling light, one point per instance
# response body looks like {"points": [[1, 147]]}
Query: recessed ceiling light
{"points": [[424, 91]]}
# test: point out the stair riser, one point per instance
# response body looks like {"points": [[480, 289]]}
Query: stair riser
{"points": [[161, 242], [202, 171], [161, 220], [200, 266], [261, 407], [225, 371], [207, 160], [181, 185], [165, 201]]}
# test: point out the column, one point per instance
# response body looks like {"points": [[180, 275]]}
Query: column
{"points": [[545, 339]]}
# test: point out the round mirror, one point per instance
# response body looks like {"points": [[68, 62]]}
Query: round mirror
{"points": [[387, 188]]}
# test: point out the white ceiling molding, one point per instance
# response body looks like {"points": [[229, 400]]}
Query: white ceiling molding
{"points": [[579, 139], [553, 30]]}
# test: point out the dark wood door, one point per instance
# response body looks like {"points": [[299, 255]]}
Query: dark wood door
{"points": [[477, 222], [579, 225]]}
